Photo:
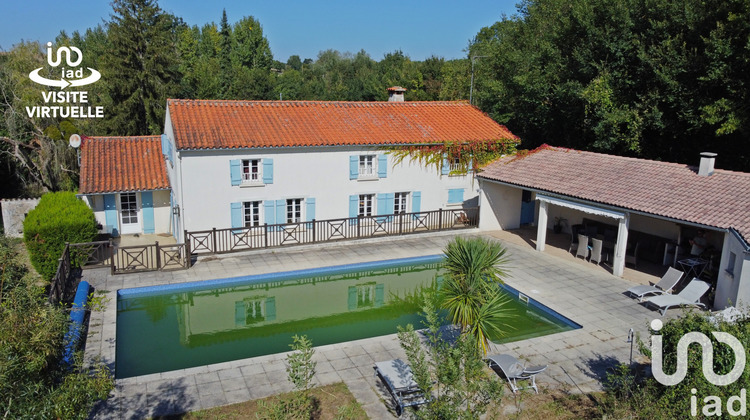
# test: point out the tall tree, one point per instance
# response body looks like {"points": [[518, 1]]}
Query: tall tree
{"points": [[225, 57], [141, 69], [650, 78]]}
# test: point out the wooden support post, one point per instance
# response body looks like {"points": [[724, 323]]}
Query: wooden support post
{"points": [[158, 257]]}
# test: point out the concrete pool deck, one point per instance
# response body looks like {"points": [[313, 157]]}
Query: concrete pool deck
{"points": [[577, 359]]}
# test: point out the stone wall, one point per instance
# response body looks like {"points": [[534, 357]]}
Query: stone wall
{"points": [[14, 211]]}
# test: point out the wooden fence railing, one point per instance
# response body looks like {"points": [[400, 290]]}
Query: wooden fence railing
{"points": [[152, 257], [220, 241], [63, 279]]}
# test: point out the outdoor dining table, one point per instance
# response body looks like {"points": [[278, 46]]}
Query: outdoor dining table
{"points": [[694, 266]]}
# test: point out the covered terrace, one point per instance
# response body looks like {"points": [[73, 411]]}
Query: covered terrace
{"points": [[648, 211]]}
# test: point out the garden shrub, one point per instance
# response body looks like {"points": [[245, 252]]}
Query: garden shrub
{"points": [[649, 399], [59, 217], [33, 381]]}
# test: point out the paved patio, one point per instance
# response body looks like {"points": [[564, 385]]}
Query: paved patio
{"points": [[578, 359]]}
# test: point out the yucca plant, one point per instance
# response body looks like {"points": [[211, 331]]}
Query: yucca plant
{"points": [[473, 269]]}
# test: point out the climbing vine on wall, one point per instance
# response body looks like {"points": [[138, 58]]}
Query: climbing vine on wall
{"points": [[471, 156]]}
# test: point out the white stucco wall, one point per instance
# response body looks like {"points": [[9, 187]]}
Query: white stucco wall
{"points": [[204, 191], [500, 207], [173, 173], [14, 212], [733, 283]]}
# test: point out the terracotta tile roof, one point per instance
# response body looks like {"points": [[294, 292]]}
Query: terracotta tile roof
{"points": [[209, 124], [112, 164], [666, 189]]}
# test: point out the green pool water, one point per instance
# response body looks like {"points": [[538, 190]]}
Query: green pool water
{"points": [[168, 330]]}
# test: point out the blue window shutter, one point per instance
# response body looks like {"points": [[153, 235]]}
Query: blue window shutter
{"points": [[268, 171], [383, 204], [237, 221], [239, 314], [110, 214], [280, 211], [456, 195], [271, 309], [446, 168], [170, 153], [309, 209], [353, 167], [390, 199], [353, 208], [270, 211], [235, 169], [382, 166], [147, 206], [379, 295], [164, 143], [416, 202]]}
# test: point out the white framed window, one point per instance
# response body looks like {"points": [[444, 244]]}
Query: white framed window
{"points": [[368, 166], [454, 164], [251, 171], [400, 200], [294, 210], [129, 208], [251, 213], [365, 204]]}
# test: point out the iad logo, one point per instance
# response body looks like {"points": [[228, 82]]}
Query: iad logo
{"points": [[76, 74], [68, 104], [713, 404]]}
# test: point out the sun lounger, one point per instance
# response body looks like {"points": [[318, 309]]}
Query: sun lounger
{"points": [[514, 370], [689, 296], [665, 285], [397, 378]]}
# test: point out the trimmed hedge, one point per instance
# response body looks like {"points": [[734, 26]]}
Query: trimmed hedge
{"points": [[59, 217]]}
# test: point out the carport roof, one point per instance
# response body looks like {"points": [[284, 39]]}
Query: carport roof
{"points": [[665, 189]]}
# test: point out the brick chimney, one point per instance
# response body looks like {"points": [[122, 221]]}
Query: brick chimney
{"points": [[396, 94], [706, 167]]}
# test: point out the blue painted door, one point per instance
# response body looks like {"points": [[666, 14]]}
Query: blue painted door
{"points": [[527, 208]]}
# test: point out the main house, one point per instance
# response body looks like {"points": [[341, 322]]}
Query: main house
{"points": [[650, 209], [230, 164]]}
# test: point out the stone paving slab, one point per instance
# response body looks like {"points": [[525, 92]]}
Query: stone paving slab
{"points": [[577, 358]]}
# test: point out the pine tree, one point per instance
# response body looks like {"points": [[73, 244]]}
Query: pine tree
{"points": [[140, 70], [225, 57]]}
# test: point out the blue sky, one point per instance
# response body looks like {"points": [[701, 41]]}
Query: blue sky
{"points": [[418, 28]]}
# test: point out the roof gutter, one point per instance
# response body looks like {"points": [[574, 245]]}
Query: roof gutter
{"points": [[322, 146], [610, 207], [80, 194], [740, 239]]}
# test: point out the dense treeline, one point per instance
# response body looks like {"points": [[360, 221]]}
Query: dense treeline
{"points": [[659, 79], [649, 78]]}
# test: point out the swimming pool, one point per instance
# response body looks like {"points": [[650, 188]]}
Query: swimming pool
{"points": [[171, 327]]}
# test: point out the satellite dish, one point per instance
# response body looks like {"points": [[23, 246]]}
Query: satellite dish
{"points": [[75, 141]]}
